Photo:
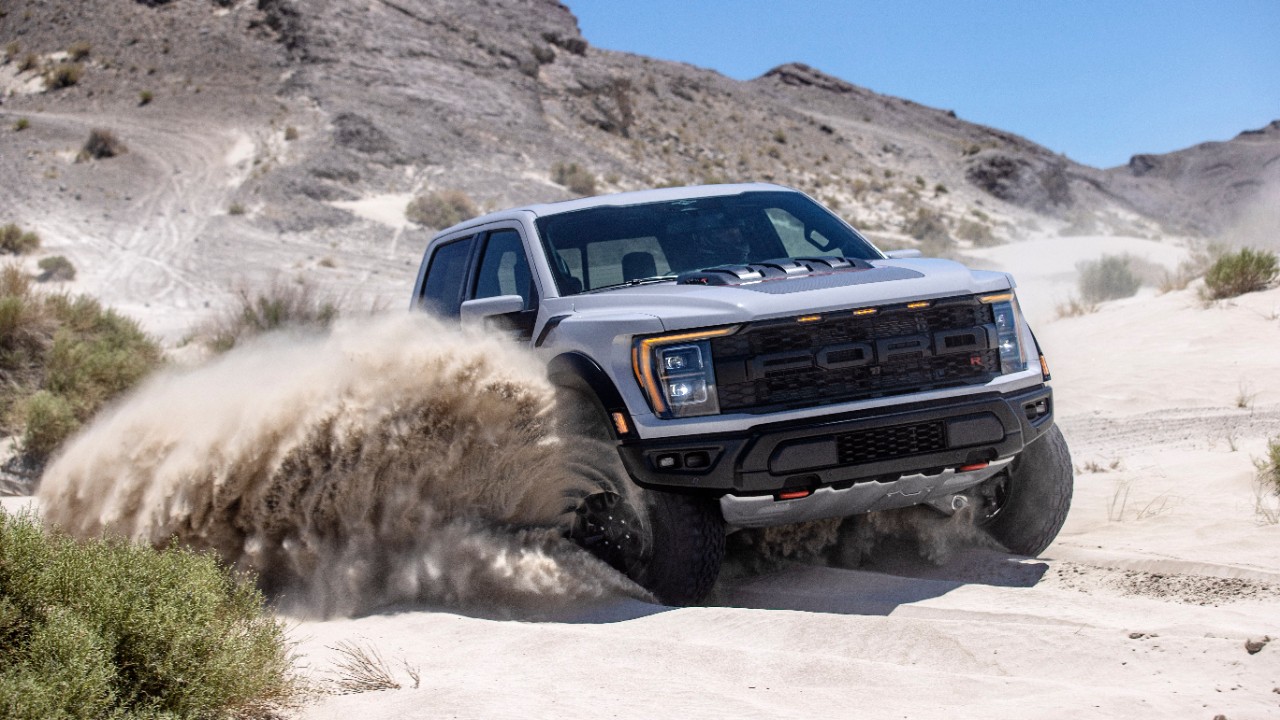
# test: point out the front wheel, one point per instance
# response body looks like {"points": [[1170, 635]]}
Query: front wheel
{"points": [[674, 550], [1024, 507]]}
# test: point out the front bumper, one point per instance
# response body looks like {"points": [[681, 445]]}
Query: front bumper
{"points": [[839, 451]]}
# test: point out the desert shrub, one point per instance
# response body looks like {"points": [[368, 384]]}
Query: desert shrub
{"points": [[290, 133], [15, 241], [575, 177], [927, 227], [977, 233], [11, 50], [56, 268], [62, 357], [441, 209], [282, 305], [21, 124], [145, 97], [104, 628], [1074, 307], [1269, 466], [79, 50], [63, 75], [30, 61], [1246, 270], [1107, 278], [235, 209], [102, 144]]}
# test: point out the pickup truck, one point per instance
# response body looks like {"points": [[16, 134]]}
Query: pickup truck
{"points": [[742, 357]]}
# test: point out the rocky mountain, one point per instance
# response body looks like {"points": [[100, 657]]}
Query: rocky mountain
{"points": [[263, 130]]}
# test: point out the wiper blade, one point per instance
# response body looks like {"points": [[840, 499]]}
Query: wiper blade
{"points": [[636, 281]]}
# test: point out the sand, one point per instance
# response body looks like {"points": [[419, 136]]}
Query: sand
{"points": [[1142, 608]]}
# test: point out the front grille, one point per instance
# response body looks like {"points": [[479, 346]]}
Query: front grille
{"points": [[866, 446], [781, 364]]}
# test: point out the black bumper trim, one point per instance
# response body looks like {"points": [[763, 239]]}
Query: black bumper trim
{"points": [[807, 454]]}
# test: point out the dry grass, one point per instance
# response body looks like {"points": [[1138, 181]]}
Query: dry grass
{"points": [[1074, 307], [282, 305], [575, 177], [63, 75], [360, 668]]}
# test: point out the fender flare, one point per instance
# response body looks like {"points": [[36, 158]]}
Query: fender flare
{"points": [[574, 369]]}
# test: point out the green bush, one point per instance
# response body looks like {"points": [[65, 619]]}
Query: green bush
{"points": [[62, 357], [21, 124], [439, 210], [1107, 278], [102, 629], [283, 305], [15, 241], [145, 97], [1246, 270], [56, 268], [578, 179]]}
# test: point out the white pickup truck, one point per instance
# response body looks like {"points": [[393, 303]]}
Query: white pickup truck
{"points": [[755, 361]]}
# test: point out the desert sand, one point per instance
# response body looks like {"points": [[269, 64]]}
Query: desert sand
{"points": [[1142, 608]]}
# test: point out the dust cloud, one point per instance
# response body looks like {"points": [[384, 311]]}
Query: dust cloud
{"points": [[392, 460]]}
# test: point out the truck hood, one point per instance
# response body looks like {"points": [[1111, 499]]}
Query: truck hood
{"points": [[680, 307]]}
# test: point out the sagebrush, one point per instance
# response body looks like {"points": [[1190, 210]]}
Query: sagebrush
{"points": [[281, 305], [16, 241], [108, 629], [575, 177], [1240, 272], [62, 357], [439, 210], [1110, 277], [102, 144]]}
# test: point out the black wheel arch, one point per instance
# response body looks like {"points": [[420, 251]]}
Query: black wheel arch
{"points": [[579, 371]]}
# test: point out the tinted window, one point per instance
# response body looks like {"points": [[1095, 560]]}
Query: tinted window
{"points": [[442, 291], [616, 245], [504, 269]]}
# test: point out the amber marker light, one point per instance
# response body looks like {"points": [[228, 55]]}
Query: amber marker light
{"points": [[1044, 367], [996, 298], [620, 423], [808, 318], [917, 305], [864, 311]]}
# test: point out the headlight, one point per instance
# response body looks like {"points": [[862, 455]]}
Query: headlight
{"points": [[1008, 319], [677, 372]]}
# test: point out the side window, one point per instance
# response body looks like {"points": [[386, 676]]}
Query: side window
{"points": [[613, 262], [442, 290], [504, 268]]}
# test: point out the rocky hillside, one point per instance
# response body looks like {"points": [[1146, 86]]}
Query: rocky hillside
{"points": [[277, 135]]}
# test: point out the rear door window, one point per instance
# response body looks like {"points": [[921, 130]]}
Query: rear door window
{"points": [[446, 276]]}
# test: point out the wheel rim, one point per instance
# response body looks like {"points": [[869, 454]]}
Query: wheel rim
{"points": [[606, 526]]}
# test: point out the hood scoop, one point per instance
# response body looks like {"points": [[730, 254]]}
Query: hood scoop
{"points": [[778, 277], [771, 270]]}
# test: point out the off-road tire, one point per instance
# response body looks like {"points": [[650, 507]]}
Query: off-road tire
{"points": [[678, 559], [1036, 496], [687, 548]]}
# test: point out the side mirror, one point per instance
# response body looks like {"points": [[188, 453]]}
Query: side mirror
{"points": [[475, 312], [903, 254]]}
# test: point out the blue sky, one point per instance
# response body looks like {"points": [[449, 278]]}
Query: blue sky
{"points": [[1097, 80]]}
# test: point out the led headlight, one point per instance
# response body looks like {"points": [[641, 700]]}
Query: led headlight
{"points": [[677, 374], [1008, 321]]}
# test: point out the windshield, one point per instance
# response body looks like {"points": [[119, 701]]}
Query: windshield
{"points": [[611, 246]]}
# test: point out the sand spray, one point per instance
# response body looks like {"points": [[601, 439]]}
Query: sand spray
{"points": [[390, 460]]}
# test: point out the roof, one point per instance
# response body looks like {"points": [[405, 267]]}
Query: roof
{"points": [[638, 197]]}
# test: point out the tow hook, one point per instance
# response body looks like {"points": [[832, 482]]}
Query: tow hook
{"points": [[948, 504]]}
